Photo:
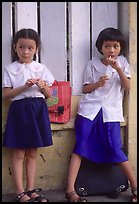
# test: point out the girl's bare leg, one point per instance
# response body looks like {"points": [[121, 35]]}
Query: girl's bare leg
{"points": [[17, 171], [31, 162], [74, 166], [127, 169], [31, 158]]}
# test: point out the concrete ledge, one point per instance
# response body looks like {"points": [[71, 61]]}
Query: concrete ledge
{"points": [[65, 126], [70, 125]]}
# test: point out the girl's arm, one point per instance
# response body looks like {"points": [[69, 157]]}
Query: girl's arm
{"points": [[88, 88], [125, 82], [45, 89], [9, 92]]}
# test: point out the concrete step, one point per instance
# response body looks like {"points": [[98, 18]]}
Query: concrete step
{"points": [[59, 196]]}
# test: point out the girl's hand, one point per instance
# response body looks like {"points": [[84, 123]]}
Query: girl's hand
{"points": [[112, 61], [102, 80], [45, 89], [31, 82], [40, 83]]}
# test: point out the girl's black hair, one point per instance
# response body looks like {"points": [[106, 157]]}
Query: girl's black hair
{"points": [[110, 34], [26, 33]]}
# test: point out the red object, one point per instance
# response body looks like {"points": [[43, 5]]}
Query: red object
{"points": [[59, 105]]}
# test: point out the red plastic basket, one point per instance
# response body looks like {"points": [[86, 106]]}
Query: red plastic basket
{"points": [[59, 105]]}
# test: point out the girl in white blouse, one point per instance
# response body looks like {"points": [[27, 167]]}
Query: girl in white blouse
{"points": [[100, 111], [26, 83]]}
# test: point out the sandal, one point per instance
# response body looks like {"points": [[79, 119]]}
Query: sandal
{"points": [[38, 198], [78, 199], [19, 196], [134, 195]]}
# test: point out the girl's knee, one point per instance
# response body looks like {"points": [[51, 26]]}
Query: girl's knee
{"points": [[31, 153]]}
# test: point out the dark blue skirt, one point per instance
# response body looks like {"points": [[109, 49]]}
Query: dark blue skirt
{"points": [[28, 124], [98, 141]]}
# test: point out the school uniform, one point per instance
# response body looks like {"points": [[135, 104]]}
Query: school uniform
{"points": [[28, 124], [97, 125]]}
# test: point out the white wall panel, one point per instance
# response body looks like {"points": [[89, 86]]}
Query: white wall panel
{"points": [[26, 15], [53, 35], [6, 32], [104, 14], [79, 43]]}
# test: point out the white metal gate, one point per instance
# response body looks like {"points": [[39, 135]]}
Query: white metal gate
{"points": [[68, 32]]}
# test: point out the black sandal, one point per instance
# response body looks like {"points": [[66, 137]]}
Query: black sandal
{"points": [[38, 198], [20, 195], [133, 197], [79, 199]]}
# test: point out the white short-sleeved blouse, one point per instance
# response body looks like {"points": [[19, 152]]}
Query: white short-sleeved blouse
{"points": [[108, 97], [16, 74]]}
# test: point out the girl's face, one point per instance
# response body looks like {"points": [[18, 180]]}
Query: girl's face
{"points": [[25, 49], [111, 48]]}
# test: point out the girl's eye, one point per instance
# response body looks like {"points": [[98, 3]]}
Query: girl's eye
{"points": [[30, 48], [21, 47], [116, 46]]}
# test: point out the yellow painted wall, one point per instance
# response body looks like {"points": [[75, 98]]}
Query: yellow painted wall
{"points": [[52, 161], [52, 164], [132, 123]]}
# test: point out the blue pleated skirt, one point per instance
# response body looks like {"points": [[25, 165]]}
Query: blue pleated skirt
{"points": [[28, 124], [97, 141]]}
